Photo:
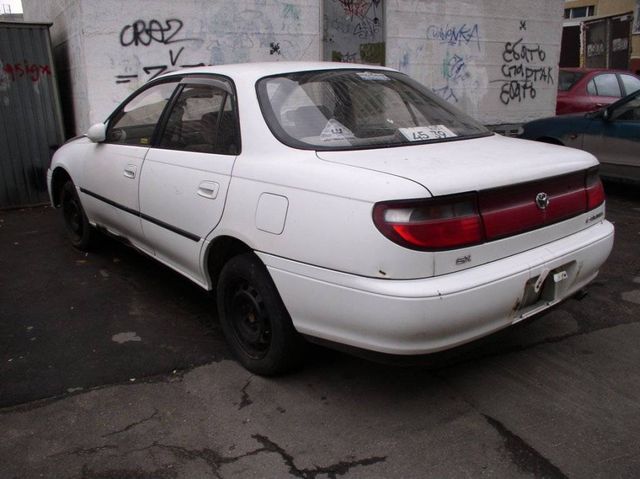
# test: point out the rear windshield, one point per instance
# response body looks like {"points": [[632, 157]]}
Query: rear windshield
{"points": [[567, 79], [353, 109]]}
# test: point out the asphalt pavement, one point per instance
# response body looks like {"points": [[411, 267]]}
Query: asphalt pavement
{"points": [[73, 320], [113, 366]]}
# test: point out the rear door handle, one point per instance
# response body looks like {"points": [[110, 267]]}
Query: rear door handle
{"points": [[130, 171], [208, 189]]}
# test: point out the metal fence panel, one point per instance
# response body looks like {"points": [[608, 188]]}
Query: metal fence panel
{"points": [[30, 115]]}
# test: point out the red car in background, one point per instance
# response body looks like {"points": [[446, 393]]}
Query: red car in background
{"points": [[586, 89]]}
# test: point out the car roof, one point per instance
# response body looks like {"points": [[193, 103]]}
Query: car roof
{"points": [[262, 69]]}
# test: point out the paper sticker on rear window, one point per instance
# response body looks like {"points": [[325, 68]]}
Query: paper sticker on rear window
{"points": [[373, 76], [423, 133], [334, 130]]}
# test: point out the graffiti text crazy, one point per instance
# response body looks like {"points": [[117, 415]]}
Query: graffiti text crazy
{"points": [[15, 71], [454, 35], [143, 33], [522, 71]]}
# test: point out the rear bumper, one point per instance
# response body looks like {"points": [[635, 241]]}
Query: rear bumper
{"points": [[427, 315]]}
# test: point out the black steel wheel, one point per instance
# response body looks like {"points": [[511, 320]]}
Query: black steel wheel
{"points": [[254, 320], [77, 226]]}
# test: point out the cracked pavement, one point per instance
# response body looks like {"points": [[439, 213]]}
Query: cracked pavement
{"points": [[555, 397]]}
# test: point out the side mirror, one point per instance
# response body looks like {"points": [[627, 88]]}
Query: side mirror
{"points": [[97, 133], [606, 116]]}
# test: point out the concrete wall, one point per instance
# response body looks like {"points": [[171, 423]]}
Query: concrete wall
{"points": [[114, 47], [495, 59], [68, 45]]}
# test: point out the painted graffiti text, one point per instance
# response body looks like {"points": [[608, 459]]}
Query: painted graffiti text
{"points": [[355, 8], [454, 35], [34, 72], [522, 71], [143, 33], [595, 49], [518, 51], [517, 90]]}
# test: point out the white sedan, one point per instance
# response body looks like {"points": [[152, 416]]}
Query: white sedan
{"points": [[335, 202]]}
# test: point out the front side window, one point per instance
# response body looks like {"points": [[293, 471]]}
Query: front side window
{"points": [[135, 122], [353, 109], [202, 119]]}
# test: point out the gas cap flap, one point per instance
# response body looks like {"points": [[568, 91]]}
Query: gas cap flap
{"points": [[271, 213]]}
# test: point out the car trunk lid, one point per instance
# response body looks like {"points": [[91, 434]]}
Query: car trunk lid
{"points": [[452, 167]]}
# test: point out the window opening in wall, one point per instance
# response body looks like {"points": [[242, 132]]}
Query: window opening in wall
{"points": [[353, 31], [580, 12]]}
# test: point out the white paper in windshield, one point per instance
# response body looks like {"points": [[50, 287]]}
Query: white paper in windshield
{"points": [[430, 132], [334, 131], [373, 76]]}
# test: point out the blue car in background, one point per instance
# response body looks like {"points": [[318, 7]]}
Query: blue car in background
{"points": [[612, 134]]}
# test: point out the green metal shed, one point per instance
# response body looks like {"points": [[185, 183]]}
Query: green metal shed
{"points": [[31, 126]]}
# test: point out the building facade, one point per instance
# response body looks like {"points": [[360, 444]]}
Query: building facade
{"points": [[601, 34], [495, 59]]}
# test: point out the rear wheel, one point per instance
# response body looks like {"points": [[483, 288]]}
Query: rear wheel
{"points": [[77, 226], [254, 320]]}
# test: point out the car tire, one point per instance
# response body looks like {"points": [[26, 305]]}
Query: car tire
{"points": [[254, 320], [77, 226]]}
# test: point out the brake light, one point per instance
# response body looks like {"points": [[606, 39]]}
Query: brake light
{"points": [[431, 224], [594, 188], [468, 219]]}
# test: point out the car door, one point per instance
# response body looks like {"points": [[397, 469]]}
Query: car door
{"points": [[630, 83], [111, 176], [186, 175], [615, 139], [602, 90]]}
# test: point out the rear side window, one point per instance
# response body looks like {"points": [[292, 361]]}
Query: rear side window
{"points": [[631, 84], [202, 119], [136, 121], [604, 85], [353, 109]]}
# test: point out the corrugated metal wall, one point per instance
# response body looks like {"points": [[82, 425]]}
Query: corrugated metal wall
{"points": [[30, 116]]}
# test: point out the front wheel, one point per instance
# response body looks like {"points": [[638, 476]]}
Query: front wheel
{"points": [[77, 226], [254, 320]]}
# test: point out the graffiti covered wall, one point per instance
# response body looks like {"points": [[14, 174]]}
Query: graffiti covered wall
{"points": [[353, 31], [495, 59], [125, 44]]}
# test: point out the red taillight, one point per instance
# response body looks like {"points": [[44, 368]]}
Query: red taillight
{"points": [[595, 190], [468, 219], [431, 224]]}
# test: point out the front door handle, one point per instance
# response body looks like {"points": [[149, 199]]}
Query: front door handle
{"points": [[208, 189], [130, 171]]}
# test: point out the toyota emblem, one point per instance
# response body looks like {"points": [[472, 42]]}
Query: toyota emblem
{"points": [[542, 200]]}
